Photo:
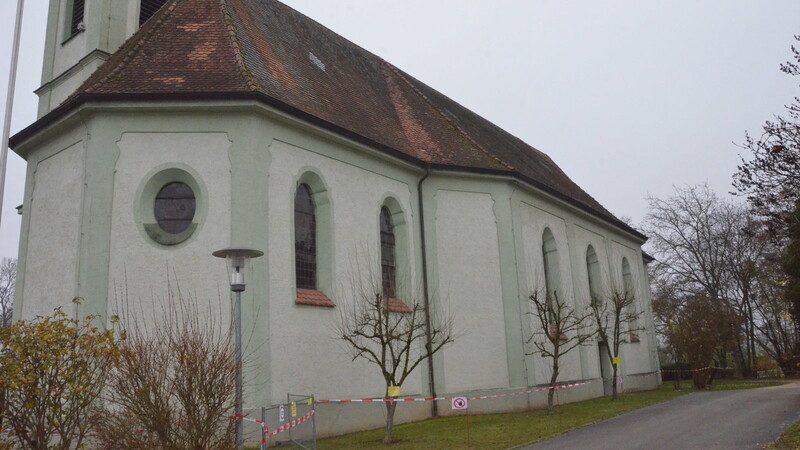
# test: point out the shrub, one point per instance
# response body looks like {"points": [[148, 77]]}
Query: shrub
{"points": [[52, 369]]}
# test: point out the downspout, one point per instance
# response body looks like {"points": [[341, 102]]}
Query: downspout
{"points": [[428, 343]]}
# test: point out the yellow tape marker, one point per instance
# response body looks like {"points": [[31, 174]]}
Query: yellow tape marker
{"points": [[616, 360], [309, 402], [394, 391], [294, 409]]}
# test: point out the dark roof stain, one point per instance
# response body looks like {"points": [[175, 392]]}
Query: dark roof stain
{"points": [[232, 48]]}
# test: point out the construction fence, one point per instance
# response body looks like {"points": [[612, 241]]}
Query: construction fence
{"points": [[296, 423]]}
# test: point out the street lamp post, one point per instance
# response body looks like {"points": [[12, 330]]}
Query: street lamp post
{"points": [[237, 259]]}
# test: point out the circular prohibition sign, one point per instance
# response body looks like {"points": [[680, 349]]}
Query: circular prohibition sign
{"points": [[459, 403]]}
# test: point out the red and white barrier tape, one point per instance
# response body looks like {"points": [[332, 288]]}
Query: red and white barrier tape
{"points": [[289, 425], [430, 399], [280, 429], [696, 370], [482, 397], [248, 419], [563, 386]]}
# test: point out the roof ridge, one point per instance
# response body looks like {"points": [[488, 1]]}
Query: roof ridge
{"points": [[157, 21], [238, 50], [450, 121]]}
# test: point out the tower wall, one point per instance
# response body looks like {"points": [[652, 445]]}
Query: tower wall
{"points": [[70, 56]]}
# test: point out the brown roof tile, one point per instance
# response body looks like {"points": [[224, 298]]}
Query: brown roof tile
{"points": [[231, 48], [312, 297]]}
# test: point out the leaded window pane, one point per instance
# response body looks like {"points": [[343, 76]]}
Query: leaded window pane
{"points": [[388, 268], [305, 238], [174, 207]]}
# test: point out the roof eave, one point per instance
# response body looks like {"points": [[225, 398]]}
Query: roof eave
{"points": [[80, 99]]}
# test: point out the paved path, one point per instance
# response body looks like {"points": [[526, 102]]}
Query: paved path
{"points": [[744, 419]]}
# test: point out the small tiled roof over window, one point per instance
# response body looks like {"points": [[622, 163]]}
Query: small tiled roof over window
{"points": [[262, 49]]}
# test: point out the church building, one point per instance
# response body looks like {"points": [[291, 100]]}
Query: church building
{"points": [[169, 129]]}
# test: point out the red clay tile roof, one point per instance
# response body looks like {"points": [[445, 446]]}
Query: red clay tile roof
{"points": [[196, 49]]}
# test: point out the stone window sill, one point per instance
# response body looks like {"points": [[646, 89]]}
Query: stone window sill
{"points": [[552, 333], [313, 297], [395, 305]]}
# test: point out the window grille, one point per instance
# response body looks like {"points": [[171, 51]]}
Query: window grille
{"points": [[593, 272], [305, 238], [630, 296], [77, 17], [174, 207], [552, 279], [388, 268], [147, 9]]}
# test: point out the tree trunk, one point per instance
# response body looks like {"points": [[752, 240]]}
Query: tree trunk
{"points": [[614, 382], [390, 406], [788, 365], [551, 394]]}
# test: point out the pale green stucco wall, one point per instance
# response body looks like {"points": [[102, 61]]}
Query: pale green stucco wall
{"points": [[483, 240]]}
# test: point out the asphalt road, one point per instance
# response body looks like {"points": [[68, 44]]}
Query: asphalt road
{"points": [[744, 419]]}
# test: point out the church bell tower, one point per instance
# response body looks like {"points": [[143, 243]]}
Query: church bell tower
{"points": [[81, 35]]}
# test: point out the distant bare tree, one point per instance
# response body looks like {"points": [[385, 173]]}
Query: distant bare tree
{"points": [[562, 329], [704, 246], [617, 321], [390, 333], [8, 282]]}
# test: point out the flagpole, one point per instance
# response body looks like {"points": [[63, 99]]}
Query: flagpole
{"points": [[12, 78]]}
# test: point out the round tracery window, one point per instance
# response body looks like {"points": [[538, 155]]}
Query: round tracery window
{"points": [[174, 207]]}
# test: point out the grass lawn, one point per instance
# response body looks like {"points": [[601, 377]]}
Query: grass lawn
{"points": [[502, 431], [789, 440]]}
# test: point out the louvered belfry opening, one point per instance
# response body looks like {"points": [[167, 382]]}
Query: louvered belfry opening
{"points": [[77, 16], [148, 8]]}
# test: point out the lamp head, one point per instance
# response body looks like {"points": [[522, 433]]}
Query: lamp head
{"points": [[237, 259]]}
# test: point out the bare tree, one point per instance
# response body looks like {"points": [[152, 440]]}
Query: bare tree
{"points": [[562, 329], [776, 326], [174, 384], [703, 246], [394, 335], [771, 182], [8, 282], [771, 179], [699, 334], [617, 321]]}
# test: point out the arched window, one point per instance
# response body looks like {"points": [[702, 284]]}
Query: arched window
{"points": [[627, 279], [630, 295], [552, 278], [388, 260], [593, 272], [550, 257], [305, 238]]}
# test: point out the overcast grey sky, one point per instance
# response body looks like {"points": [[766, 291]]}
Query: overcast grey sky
{"points": [[628, 97]]}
